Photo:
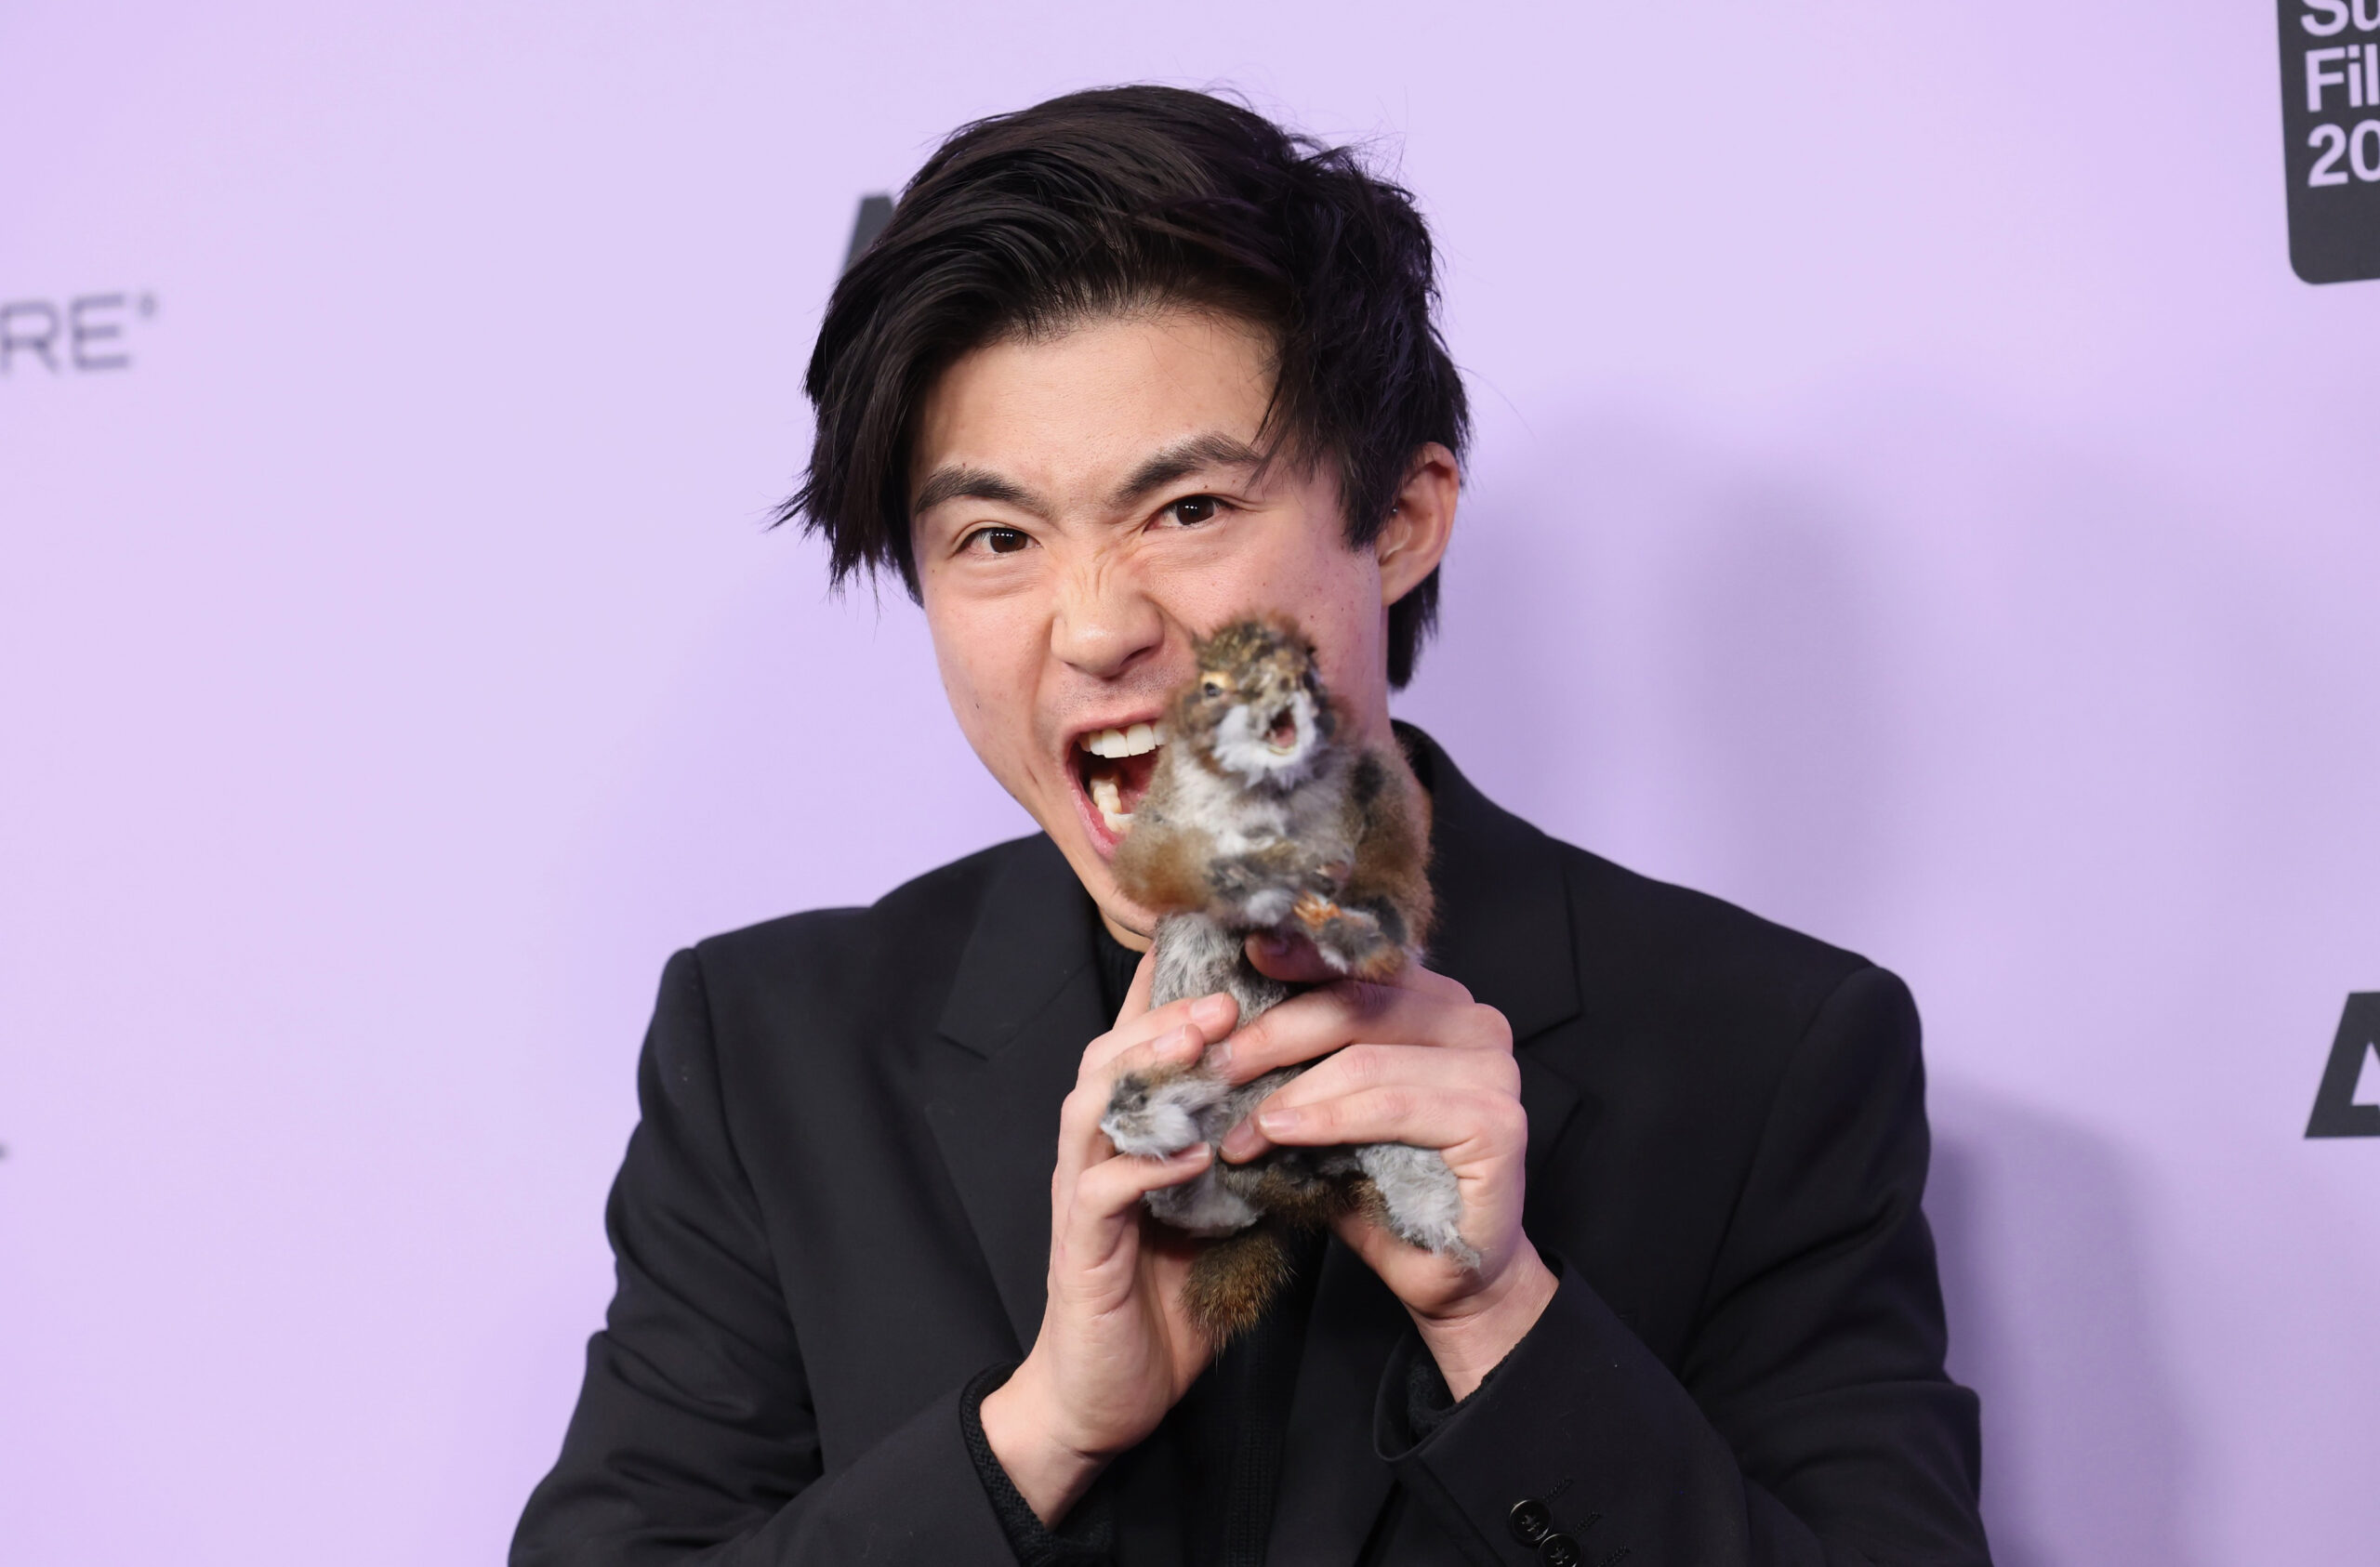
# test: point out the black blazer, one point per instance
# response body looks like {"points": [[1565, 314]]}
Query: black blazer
{"points": [[835, 1213]]}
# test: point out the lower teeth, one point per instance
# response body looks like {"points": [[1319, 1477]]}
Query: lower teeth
{"points": [[1110, 801]]}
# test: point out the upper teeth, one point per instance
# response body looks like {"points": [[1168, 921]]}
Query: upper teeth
{"points": [[1136, 741]]}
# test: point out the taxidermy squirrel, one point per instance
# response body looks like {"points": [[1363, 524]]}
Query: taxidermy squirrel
{"points": [[1258, 819]]}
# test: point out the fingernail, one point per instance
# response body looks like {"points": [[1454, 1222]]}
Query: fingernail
{"points": [[1180, 1042], [1273, 1123], [1240, 1143], [1218, 1056], [1211, 1012]]}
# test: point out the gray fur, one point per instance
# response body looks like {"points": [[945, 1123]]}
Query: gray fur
{"points": [[1271, 837], [1198, 955], [1423, 1200]]}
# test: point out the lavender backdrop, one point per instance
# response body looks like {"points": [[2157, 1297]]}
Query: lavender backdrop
{"points": [[1913, 499]]}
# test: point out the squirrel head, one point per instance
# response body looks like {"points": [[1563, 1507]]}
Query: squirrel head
{"points": [[1256, 709]]}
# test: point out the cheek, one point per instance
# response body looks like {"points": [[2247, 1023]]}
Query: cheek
{"points": [[985, 660]]}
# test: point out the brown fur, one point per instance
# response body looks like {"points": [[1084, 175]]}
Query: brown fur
{"points": [[1232, 1281], [1363, 895]]}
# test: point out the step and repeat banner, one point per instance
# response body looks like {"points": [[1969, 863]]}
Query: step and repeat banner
{"points": [[1927, 491]]}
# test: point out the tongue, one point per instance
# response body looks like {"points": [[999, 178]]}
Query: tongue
{"points": [[1131, 775], [1283, 732]]}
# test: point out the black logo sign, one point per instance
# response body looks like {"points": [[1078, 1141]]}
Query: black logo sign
{"points": [[876, 211], [2337, 1113], [2330, 117]]}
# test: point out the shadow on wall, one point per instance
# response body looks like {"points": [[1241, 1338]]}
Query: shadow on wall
{"points": [[1735, 674], [2085, 1460], [1675, 659]]}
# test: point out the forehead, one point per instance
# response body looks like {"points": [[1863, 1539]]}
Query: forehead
{"points": [[1067, 413]]}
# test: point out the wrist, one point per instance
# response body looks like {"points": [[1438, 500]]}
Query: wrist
{"points": [[1019, 1425], [1472, 1338]]}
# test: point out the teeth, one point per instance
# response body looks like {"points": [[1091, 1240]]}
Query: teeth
{"points": [[1118, 744], [1103, 795]]}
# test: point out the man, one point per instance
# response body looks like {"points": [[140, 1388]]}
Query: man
{"points": [[1120, 368]]}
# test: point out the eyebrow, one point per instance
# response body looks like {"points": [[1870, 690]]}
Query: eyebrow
{"points": [[1197, 454], [974, 484], [1184, 458]]}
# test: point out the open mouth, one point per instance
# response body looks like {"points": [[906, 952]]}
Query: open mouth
{"points": [[1112, 768], [1281, 734]]}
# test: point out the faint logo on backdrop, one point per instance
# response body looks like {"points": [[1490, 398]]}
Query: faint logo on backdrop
{"points": [[874, 213], [86, 333], [2329, 118], [2347, 1104]]}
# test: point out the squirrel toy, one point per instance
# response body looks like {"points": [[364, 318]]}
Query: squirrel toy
{"points": [[1257, 818]]}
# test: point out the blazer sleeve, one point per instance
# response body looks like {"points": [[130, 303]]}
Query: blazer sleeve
{"points": [[1810, 1420], [694, 1439]]}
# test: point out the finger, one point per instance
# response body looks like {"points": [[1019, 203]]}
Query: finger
{"points": [[1419, 1069], [1429, 981], [1289, 958], [1475, 1124], [1106, 1197], [1173, 1036], [1081, 1142], [1425, 1069], [1211, 1015], [1322, 1020]]}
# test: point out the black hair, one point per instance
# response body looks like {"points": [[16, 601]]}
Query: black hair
{"points": [[1122, 198]]}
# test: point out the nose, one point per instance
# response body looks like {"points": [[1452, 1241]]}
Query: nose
{"points": [[1105, 621]]}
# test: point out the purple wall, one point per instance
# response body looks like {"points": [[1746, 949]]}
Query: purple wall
{"points": [[1913, 498]]}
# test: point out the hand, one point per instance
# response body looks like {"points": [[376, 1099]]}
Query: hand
{"points": [[1114, 1351], [1418, 1061]]}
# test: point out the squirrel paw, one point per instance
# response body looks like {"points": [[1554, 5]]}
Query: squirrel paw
{"points": [[1351, 941]]}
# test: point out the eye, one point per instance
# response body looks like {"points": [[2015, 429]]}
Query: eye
{"points": [[1211, 688], [1192, 511], [997, 541]]}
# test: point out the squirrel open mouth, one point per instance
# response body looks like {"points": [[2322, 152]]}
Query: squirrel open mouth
{"points": [[1113, 767], [1281, 734]]}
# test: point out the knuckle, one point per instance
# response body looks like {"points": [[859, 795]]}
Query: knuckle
{"points": [[1494, 1028]]}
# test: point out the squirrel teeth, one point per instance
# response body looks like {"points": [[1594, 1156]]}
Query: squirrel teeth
{"points": [[1110, 801]]}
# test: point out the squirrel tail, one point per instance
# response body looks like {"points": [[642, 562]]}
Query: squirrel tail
{"points": [[1233, 1280]]}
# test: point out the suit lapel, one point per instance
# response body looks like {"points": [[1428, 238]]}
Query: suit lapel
{"points": [[1503, 926], [1024, 1003], [1504, 932]]}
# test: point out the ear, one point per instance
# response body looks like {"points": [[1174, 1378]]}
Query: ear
{"points": [[1414, 539]]}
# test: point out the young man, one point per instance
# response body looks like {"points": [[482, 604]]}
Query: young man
{"points": [[1122, 368]]}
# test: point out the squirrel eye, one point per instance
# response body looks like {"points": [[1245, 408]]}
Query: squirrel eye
{"points": [[1211, 688]]}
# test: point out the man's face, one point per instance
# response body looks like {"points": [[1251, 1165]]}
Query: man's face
{"points": [[1087, 503]]}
